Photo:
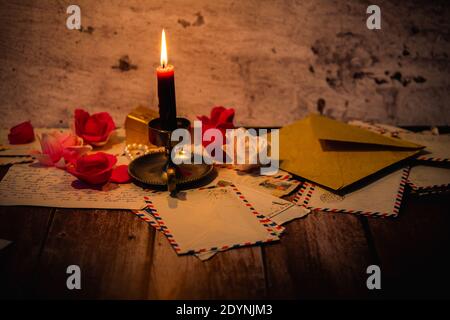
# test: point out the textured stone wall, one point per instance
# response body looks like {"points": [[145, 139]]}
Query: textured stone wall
{"points": [[273, 61]]}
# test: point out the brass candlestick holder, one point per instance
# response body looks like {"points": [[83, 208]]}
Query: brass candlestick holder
{"points": [[157, 171]]}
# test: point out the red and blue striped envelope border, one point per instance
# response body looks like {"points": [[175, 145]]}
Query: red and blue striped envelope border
{"points": [[426, 188], [273, 229], [284, 176], [429, 192], [306, 190], [433, 159], [147, 217]]}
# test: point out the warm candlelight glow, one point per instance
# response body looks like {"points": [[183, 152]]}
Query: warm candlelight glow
{"points": [[163, 50]]}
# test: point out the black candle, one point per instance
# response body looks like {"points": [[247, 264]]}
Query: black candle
{"points": [[166, 90]]}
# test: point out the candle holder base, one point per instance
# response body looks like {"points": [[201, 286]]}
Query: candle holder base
{"points": [[151, 171], [157, 171]]}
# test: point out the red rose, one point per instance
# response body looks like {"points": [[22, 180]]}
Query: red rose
{"points": [[22, 133], [95, 129], [221, 118], [94, 168]]}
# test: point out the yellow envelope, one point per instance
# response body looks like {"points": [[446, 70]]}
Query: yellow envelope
{"points": [[334, 154]]}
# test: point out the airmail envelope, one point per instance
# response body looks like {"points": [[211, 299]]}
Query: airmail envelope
{"points": [[437, 148], [334, 154]]}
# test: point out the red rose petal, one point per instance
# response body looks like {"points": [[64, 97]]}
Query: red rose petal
{"points": [[21, 133], [226, 117], [120, 174], [94, 127], [81, 118], [215, 114]]}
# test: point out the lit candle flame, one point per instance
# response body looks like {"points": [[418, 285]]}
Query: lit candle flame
{"points": [[163, 50]]}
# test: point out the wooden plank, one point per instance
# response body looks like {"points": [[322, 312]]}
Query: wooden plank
{"points": [[414, 248], [27, 228], [234, 274], [113, 248], [3, 171], [324, 255]]}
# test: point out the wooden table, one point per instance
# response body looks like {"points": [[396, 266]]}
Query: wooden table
{"points": [[324, 255]]}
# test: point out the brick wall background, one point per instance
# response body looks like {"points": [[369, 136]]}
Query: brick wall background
{"points": [[274, 61]]}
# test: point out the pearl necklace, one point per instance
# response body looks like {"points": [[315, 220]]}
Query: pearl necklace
{"points": [[136, 150]]}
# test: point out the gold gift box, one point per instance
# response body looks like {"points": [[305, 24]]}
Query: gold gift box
{"points": [[136, 125]]}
